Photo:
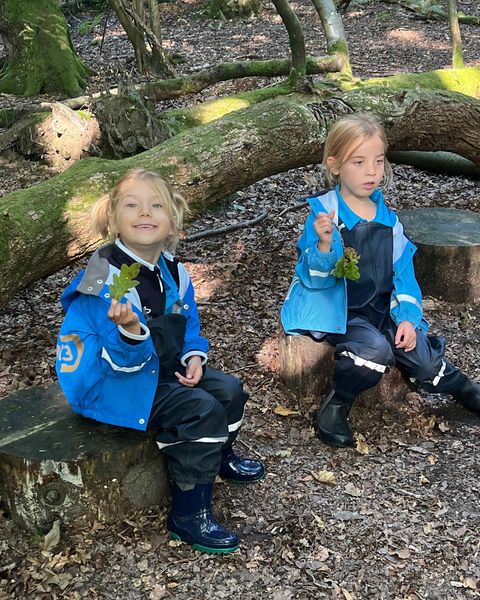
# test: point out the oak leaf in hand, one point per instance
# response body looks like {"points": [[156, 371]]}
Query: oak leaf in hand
{"points": [[125, 281], [347, 266]]}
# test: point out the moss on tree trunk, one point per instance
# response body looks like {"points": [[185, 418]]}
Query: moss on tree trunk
{"points": [[44, 227], [465, 81], [41, 55]]}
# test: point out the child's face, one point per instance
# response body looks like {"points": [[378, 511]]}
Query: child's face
{"points": [[140, 217], [363, 170]]}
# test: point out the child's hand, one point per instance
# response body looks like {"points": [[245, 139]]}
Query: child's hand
{"points": [[124, 315], [324, 227], [406, 336], [194, 372]]}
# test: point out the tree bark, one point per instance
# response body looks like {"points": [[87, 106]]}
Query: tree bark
{"points": [[45, 227], [296, 38], [457, 52], [333, 27], [150, 58], [41, 58]]}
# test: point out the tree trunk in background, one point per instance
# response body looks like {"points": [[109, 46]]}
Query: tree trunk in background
{"points": [[457, 52], [41, 58], [45, 227], [144, 33]]}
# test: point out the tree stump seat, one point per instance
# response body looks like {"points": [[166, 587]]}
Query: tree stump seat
{"points": [[306, 368], [55, 464], [447, 263]]}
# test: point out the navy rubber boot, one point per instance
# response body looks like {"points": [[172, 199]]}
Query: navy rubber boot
{"points": [[468, 395], [331, 422], [191, 520], [240, 470]]}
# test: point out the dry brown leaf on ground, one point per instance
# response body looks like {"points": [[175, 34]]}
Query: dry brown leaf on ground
{"points": [[325, 477], [285, 412], [53, 537]]}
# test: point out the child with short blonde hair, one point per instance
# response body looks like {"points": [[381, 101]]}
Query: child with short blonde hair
{"points": [[141, 362], [374, 320]]}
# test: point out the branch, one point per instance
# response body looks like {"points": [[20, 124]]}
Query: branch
{"points": [[333, 27], [297, 40], [168, 89], [226, 229], [457, 53]]}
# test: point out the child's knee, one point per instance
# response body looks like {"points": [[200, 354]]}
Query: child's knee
{"points": [[428, 370], [374, 349]]}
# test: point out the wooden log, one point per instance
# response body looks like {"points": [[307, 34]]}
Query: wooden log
{"points": [[57, 465], [447, 262], [306, 368]]}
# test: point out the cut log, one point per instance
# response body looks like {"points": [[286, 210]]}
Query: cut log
{"points": [[57, 465], [447, 262], [306, 368]]}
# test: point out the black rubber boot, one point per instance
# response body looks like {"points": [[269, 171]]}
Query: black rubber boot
{"points": [[331, 421], [468, 394], [191, 520], [240, 470]]}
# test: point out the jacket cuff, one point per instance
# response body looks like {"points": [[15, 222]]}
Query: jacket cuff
{"points": [[320, 264], [199, 353], [141, 337]]}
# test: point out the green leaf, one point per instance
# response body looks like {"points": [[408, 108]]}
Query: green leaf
{"points": [[347, 266], [125, 281]]}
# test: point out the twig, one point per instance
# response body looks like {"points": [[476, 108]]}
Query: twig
{"points": [[8, 567], [105, 27], [407, 493], [225, 229], [289, 208], [250, 366], [241, 225], [249, 448]]}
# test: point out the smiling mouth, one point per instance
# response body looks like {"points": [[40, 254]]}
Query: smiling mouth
{"points": [[145, 226]]}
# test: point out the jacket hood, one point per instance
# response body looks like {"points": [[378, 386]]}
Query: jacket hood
{"points": [[90, 280]]}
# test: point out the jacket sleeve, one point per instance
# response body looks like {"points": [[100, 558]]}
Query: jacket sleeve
{"points": [[406, 302], [314, 268], [87, 322], [194, 344]]}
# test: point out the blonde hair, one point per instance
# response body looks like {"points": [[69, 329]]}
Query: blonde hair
{"points": [[104, 209], [347, 133]]}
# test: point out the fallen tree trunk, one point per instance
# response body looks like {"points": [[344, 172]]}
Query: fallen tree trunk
{"points": [[169, 89], [437, 162], [434, 13], [45, 227], [465, 81]]}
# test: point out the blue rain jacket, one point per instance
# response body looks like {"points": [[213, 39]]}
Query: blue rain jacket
{"points": [[103, 376], [317, 301]]}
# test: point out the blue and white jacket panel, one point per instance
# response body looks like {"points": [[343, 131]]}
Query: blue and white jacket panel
{"points": [[102, 375], [317, 300]]}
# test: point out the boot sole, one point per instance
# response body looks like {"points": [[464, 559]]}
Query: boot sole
{"points": [[243, 482], [204, 549]]}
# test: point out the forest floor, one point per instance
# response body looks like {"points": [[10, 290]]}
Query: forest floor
{"points": [[403, 521]]}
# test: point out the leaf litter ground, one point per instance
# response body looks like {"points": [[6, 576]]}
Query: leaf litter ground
{"points": [[396, 518]]}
